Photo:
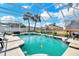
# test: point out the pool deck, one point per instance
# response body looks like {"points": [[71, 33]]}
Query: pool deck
{"points": [[73, 49], [71, 52], [13, 46]]}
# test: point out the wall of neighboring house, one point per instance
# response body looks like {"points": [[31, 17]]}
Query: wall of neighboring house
{"points": [[11, 28], [54, 27], [14, 25], [73, 26]]}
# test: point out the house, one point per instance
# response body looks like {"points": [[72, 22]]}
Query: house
{"points": [[53, 27], [73, 26], [11, 26]]}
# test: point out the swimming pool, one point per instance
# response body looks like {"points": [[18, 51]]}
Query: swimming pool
{"points": [[41, 44]]}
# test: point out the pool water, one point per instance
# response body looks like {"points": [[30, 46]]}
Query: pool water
{"points": [[40, 44]]}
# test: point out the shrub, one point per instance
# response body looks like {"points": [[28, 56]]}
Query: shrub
{"points": [[54, 33], [66, 35], [38, 31]]}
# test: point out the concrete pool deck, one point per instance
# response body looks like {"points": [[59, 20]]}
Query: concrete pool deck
{"points": [[71, 52], [73, 49], [13, 46]]}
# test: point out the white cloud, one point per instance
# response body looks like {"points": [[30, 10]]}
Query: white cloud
{"points": [[65, 13], [7, 19], [20, 19], [47, 23], [1, 3], [31, 24], [37, 24], [57, 6], [58, 14], [45, 15], [25, 7]]}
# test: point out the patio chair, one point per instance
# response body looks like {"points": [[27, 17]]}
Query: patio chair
{"points": [[75, 35], [1, 42]]}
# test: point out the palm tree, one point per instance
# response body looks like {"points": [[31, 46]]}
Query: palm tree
{"points": [[36, 18], [27, 16]]}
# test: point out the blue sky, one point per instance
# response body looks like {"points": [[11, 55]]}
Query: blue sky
{"points": [[19, 9], [35, 8]]}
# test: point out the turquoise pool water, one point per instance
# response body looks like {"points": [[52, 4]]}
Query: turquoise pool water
{"points": [[40, 44]]}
